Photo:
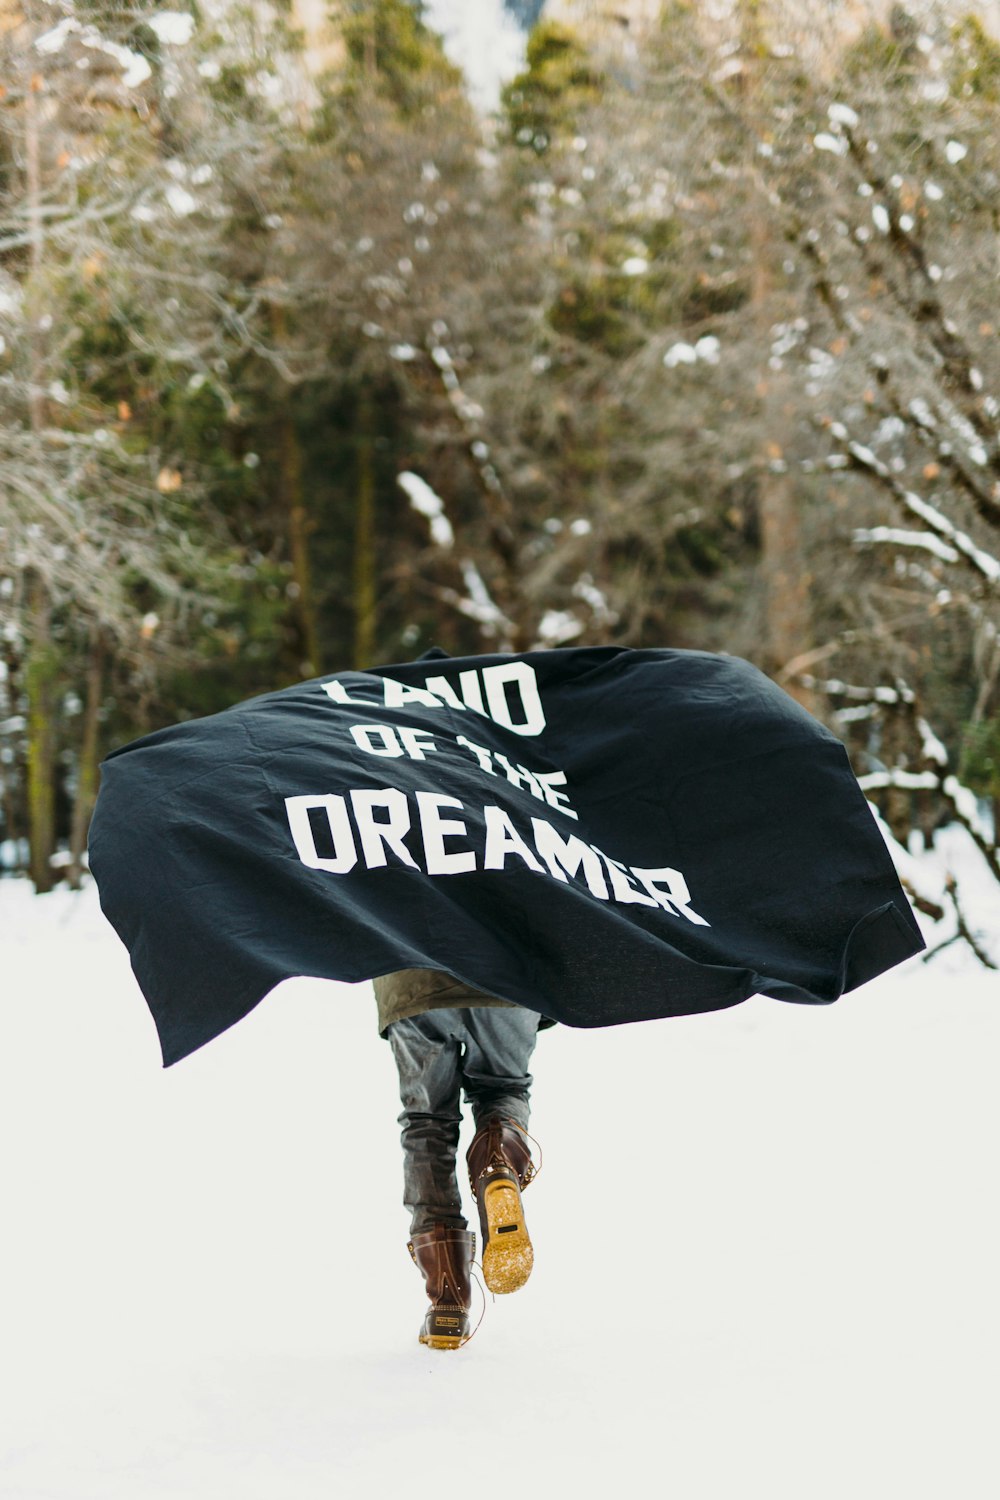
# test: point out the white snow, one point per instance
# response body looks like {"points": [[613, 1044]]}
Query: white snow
{"points": [[965, 802], [135, 68], [706, 348], [933, 749], [843, 114], [55, 39], [480, 604], [558, 626], [680, 353], [423, 499], [955, 151], [903, 538], [174, 28], [984, 562], [889, 428], [180, 201], [766, 1250]]}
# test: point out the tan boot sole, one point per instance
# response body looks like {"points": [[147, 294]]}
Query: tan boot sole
{"points": [[508, 1256], [442, 1341]]}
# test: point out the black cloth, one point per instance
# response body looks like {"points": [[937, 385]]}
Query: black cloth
{"points": [[601, 835]]}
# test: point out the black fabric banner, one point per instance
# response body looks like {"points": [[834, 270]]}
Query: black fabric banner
{"points": [[602, 835]]}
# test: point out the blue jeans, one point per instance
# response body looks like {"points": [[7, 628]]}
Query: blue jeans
{"points": [[485, 1048]]}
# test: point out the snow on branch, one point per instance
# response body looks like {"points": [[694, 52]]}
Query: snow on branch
{"points": [[899, 537], [470, 415], [863, 458], [933, 776], [924, 887], [931, 747], [962, 801], [478, 604], [916, 414], [925, 306], [428, 503], [932, 895], [835, 688]]}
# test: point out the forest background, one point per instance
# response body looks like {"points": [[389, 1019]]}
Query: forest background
{"points": [[306, 363]]}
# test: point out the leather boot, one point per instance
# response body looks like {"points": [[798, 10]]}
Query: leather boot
{"points": [[500, 1166], [444, 1258]]}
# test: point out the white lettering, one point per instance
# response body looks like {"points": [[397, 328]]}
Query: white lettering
{"points": [[375, 836], [621, 886], [398, 694], [321, 821], [443, 689], [521, 776], [385, 735], [565, 856], [484, 757], [416, 741], [675, 897], [502, 838], [471, 691], [436, 829], [339, 694], [345, 855], [548, 781], [521, 676]]}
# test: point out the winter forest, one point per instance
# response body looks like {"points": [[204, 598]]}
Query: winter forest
{"points": [[641, 324]]}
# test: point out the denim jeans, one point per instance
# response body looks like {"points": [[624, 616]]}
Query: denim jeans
{"points": [[485, 1048]]}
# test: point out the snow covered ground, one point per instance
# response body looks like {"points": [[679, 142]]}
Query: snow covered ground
{"points": [[767, 1249]]}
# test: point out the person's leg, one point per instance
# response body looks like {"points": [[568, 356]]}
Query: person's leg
{"points": [[427, 1049], [498, 1047], [499, 1042]]}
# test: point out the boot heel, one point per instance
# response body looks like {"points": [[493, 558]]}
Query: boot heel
{"points": [[507, 1255], [444, 1256], [445, 1331]]}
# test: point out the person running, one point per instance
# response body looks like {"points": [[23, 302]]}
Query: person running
{"points": [[445, 1036]]}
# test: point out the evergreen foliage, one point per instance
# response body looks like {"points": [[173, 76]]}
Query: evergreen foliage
{"points": [[542, 103]]}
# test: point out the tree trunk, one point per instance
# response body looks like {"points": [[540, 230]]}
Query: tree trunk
{"points": [[785, 577], [296, 517], [785, 580], [298, 543], [40, 674], [10, 778], [37, 404], [87, 773], [365, 573], [41, 661]]}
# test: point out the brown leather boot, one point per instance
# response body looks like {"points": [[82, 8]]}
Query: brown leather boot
{"points": [[500, 1166], [444, 1257]]}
